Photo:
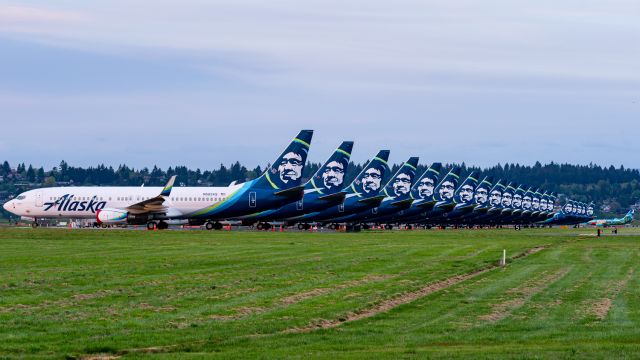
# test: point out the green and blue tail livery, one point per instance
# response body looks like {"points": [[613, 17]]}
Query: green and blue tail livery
{"points": [[446, 188], [399, 186], [286, 171], [329, 179], [369, 182], [426, 183]]}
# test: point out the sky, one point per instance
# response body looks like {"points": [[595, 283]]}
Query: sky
{"points": [[201, 82]]}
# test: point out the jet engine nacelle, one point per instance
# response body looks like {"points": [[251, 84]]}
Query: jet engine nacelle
{"points": [[112, 216]]}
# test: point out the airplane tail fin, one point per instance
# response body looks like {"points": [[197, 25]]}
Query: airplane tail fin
{"points": [[535, 200], [495, 195], [286, 171], [399, 186], [481, 195], [553, 198], [464, 192], [508, 194], [424, 185], [591, 208], [630, 214], [369, 182], [329, 178], [445, 189]]}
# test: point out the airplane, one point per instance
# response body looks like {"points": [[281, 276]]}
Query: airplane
{"points": [[481, 200], [493, 205], [615, 221], [397, 196], [568, 215], [276, 187], [422, 195], [441, 200], [362, 194], [507, 210], [322, 190], [462, 199]]}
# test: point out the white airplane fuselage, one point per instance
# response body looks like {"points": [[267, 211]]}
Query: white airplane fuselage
{"points": [[83, 201]]}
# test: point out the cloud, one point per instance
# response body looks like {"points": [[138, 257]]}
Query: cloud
{"points": [[317, 41], [481, 82], [26, 15]]}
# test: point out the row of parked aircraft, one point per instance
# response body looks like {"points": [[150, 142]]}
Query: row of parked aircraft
{"points": [[435, 197]]}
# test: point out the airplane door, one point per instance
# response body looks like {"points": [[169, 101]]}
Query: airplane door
{"points": [[299, 205], [252, 199], [39, 199], [341, 208]]}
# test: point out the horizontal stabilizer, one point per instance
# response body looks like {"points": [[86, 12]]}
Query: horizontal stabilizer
{"points": [[297, 191], [481, 210], [333, 197], [447, 207], [467, 207], [372, 200], [427, 205], [405, 202]]}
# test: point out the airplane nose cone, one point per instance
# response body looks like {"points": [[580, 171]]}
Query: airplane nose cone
{"points": [[6, 205]]}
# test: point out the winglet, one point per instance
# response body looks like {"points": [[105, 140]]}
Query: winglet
{"points": [[166, 191]]}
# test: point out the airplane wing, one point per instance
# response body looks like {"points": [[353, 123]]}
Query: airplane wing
{"points": [[155, 204]]}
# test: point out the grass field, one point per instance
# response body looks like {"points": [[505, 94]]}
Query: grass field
{"points": [[404, 294]]}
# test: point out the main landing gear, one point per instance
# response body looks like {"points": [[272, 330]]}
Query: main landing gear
{"points": [[162, 225], [304, 226], [213, 225], [263, 226]]}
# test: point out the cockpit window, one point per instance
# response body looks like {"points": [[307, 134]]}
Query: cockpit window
{"points": [[21, 197]]}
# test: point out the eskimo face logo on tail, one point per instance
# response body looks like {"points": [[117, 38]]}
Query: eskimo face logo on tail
{"points": [[426, 186], [495, 198], [290, 167], [517, 201], [402, 184], [466, 193], [535, 203], [482, 195], [446, 190], [68, 203], [526, 202], [333, 175], [568, 208], [371, 180], [507, 199], [543, 204]]}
